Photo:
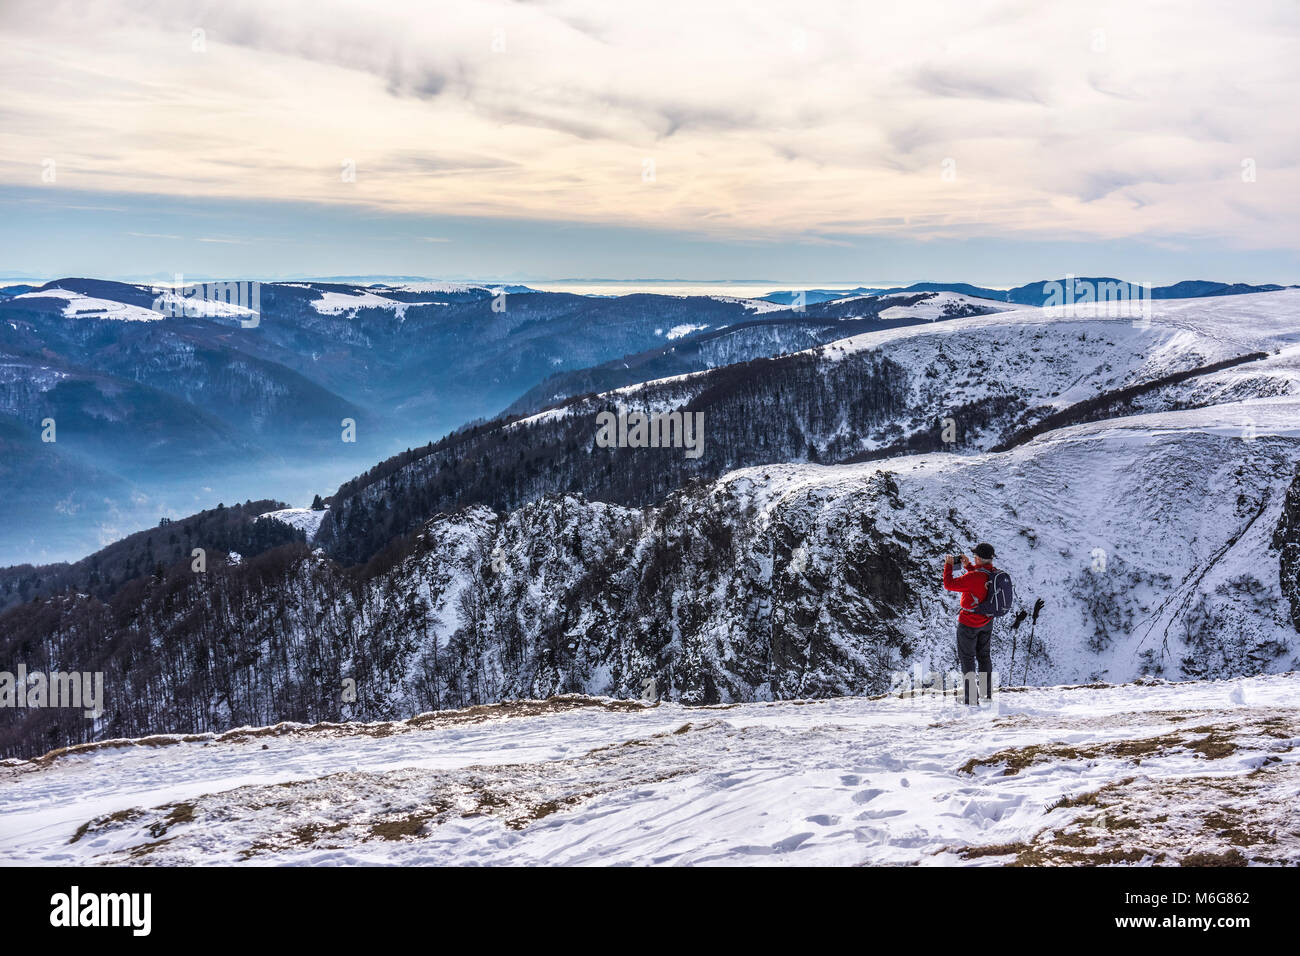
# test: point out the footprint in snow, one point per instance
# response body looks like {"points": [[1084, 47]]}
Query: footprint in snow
{"points": [[781, 846], [823, 820], [865, 796], [791, 843], [878, 814]]}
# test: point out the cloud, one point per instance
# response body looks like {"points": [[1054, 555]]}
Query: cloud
{"points": [[762, 120], [966, 81]]}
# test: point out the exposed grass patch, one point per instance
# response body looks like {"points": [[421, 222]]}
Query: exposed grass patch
{"points": [[107, 822], [1216, 745], [177, 813], [1186, 821], [401, 827]]}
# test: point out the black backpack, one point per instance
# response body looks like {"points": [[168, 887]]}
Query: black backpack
{"points": [[997, 600]]}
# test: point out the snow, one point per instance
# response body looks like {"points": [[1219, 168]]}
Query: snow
{"points": [[1129, 528], [40, 377], [337, 303], [1182, 505], [678, 331], [1223, 325], [939, 305], [751, 305], [85, 306], [444, 287], [172, 303], [550, 415], [1053, 358], [898, 779], [304, 519], [333, 302]]}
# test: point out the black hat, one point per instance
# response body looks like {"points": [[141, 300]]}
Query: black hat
{"points": [[984, 550]]}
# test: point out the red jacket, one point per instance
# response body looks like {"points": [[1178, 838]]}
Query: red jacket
{"points": [[974, 587]]}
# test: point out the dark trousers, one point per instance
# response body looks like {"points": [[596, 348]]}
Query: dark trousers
{"points": [[973, 645]]}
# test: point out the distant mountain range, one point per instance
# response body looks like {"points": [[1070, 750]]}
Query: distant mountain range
{"points": [[149, 411], [1032, 293], [161, 416]]}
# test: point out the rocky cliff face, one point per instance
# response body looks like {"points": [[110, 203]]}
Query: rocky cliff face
{"points": [[1287, 542]]}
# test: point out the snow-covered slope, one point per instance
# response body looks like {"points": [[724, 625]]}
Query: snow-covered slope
{"points": [[779, 330], [76, 305], [1202, 773], [332, 302], [1057, 357], [1261, 321], [943, 304], [1052, 357], [1155, 544], [304, 519], [1149, 539], [752, 305], [964, 384]]}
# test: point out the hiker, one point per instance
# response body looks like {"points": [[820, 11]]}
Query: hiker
{"points": [[981, 600]]}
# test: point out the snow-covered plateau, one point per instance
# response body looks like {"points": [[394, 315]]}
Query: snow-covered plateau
{"points": [[1152, 772]]}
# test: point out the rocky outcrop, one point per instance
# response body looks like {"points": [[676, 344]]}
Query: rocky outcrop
{"points": [[1287, 541]]}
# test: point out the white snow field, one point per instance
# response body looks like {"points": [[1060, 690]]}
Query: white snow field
{"points": [[940, 304], [77, 305], [347, 303], [1051, 358], [1144, 773], [303, 519]]}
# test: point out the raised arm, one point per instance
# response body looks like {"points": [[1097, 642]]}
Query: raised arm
{"points": [[968, 583]]}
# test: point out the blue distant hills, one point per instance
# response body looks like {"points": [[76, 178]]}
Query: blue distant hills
{"points": [[1032, 293]]}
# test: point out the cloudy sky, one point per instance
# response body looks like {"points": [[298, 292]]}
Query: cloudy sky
{"points": [[802, 141]]}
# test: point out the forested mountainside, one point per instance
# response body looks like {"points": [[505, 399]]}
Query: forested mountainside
{"points": [[774, 582], [237, 529], [789, 331], [968, 383], [122, 403], [149, 408]]}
